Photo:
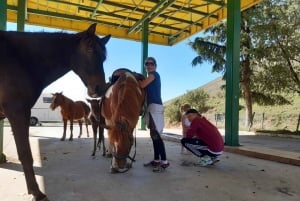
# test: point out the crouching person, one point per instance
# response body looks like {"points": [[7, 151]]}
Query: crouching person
{"points": [[203, 139]]}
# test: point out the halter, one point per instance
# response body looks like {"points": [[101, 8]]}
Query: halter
{"points": [[124, 157]]}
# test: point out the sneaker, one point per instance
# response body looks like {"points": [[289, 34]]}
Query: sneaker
{"points": [[161, 167], [152, 163], [214, 160], [164, 166], [205, 161], [157, 169]]}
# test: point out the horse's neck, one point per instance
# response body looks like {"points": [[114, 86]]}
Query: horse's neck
{"points": [[67, 102], [52, 53]]}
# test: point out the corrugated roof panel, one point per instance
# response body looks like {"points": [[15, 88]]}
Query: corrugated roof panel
{"points": [[170, 21]]}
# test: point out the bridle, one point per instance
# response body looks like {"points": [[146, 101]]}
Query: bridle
{"points": [[124, 157]]}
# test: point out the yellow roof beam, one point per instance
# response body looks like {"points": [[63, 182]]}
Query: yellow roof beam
{"points": [[169, 21]]}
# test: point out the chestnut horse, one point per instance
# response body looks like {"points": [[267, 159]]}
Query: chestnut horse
{"points": [[121, 107], [29, 62], [71, 111]]}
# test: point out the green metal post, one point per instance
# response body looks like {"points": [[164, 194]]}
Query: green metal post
{"points": [[3, 20], [144, 56], [3, 15], [232, 73], [21, 15]]}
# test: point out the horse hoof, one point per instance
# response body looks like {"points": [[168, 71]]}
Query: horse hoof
{"points": [[71, 139], [43, 199], [62, 139]]}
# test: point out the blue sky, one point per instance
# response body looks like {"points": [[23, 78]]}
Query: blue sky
{"points": [[174, 66]]}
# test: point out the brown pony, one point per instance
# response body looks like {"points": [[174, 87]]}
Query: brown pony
{"points": [[121, 107], [31, 61], [98, 123], [71, 111]]}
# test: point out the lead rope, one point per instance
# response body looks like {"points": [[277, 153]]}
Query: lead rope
{"points": [[133, 158]]}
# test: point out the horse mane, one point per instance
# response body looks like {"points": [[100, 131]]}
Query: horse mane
{"points": [[127, 88]]}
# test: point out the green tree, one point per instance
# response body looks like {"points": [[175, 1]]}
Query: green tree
{"points": [[172, 111], [212, 48], [277, 45], [196, 98]]}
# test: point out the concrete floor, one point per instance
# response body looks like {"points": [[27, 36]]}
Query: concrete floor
{"points": [[67, 172]]}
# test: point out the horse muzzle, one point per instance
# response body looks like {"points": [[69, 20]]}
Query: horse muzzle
{"points": [[115, 170]]}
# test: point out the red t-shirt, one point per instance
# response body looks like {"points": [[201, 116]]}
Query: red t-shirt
{"points": [[202, 129]]}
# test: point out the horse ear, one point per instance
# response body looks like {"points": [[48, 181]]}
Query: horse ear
{"points": [[60, 92], [91, 30], [105, 39]]}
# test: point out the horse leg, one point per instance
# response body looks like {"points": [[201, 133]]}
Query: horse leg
{"points": [[71, 129], [101, 137], [95, 128], [65, 130], [87, 125], [80, 128], [20, 128]]}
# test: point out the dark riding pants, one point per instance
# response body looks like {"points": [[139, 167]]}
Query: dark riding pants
{"points": [[158, 144]]}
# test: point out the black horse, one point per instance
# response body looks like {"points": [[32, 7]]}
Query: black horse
{"points": [[31, 61]]}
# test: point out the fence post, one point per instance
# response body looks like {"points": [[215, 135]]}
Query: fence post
{"points": [[297, 129], [263, 120]]}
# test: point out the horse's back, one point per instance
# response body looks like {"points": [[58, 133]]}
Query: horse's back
{"points": [[83, 108]]}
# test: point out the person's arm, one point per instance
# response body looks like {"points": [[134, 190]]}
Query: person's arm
{"points": [[183, 126], [191, 132], [144, 83]]}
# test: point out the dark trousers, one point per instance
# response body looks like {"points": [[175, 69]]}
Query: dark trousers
{"points": [[158, 143], [197, 147]]}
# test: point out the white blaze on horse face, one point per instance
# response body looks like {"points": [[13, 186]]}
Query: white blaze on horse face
{"points": [[114, 161], [116, 147]]}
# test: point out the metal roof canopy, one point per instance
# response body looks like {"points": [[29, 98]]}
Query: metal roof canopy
{"points": [[169, 21], [164, 22]]}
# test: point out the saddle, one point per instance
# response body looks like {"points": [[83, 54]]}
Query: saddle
{"points": [[117, 73]]}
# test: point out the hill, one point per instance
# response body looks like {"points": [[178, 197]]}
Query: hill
{"points": [[212, 88], [276, 118]]}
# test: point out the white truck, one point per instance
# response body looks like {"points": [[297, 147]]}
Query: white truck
{"points": [[41, 111]]}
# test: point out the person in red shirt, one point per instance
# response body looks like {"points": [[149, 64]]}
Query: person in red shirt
{"points": [[203, 139]]}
